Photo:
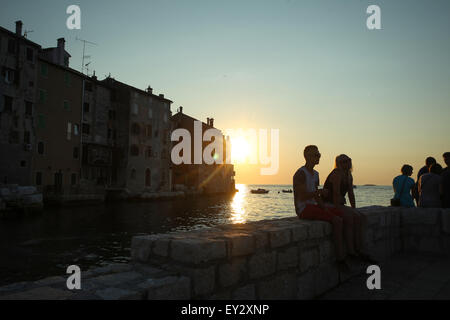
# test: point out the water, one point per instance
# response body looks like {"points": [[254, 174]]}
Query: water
{"points": [[44, 245]]}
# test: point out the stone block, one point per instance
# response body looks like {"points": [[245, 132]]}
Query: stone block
{"points": [[305, 286], [316, 229], [231, 273], [196, 251], [326, 277], [202, 280], [116, 279], [262, 264], [242, 244], [309, 258], [141, 247], [288, 258], [244, 293], [279, 237], [326, 251], [41, 293], [281, 287], [261, 241], [299, 232], [168, 288], [420, 216], [161, 247]]}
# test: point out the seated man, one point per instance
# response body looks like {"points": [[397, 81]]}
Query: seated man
{"points": [[307, 199]]}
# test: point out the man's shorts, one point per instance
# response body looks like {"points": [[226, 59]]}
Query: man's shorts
{"points": [[314, 212]]}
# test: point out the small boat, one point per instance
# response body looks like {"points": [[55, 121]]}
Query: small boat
{"points": [[259, 191], [287, 191]]}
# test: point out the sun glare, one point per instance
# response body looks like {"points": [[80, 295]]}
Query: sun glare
{"points": [[240, 149]]}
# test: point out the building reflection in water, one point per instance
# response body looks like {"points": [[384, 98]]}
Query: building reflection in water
{"points": [[238, 214]]}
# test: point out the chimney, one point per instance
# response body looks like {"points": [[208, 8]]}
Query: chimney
{"points": [[207, 121], [181, 109], [150, 90], [19, 25], [161, 95], [211, 122], [61, 43], [94, 77]]}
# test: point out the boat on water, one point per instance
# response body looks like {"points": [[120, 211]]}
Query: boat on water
{"points": [[259, 191], [287, 191]]}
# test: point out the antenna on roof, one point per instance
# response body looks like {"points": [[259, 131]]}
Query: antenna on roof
{"points": [[84, 47], [26, 32]]}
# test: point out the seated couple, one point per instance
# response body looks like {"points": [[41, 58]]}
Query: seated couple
{"points": [[328, 204]]}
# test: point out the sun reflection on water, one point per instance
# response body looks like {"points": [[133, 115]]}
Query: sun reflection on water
{"points": [[238, 214]]}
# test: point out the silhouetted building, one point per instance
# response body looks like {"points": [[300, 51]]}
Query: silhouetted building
{"points": [[205, 178], [19, 65]]}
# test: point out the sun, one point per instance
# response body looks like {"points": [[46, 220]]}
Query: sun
{"points": [[240, 149]]}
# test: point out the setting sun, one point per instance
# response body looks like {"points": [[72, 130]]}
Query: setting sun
{"points": [[240, 149]]}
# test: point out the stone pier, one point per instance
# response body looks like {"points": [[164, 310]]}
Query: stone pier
{"points": [[271, 259]]}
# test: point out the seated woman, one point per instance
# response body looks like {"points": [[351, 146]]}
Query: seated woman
{"points": [[339, 183], [403, 186], [430, 188]]}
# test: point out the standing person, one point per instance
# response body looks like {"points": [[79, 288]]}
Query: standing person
{"points": [[403, 186], [429, 161], [430, 188], [338, 184], [446, 181], [308, 202]]}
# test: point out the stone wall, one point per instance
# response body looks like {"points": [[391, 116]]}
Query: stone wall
{"points": [[285, 258], [271, 259]]}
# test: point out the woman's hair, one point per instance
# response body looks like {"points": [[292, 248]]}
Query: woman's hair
{"points": [[340, 159], [406, 169], [436, 168]]}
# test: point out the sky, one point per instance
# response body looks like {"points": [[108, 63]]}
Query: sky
{"points": [[311, 69]]}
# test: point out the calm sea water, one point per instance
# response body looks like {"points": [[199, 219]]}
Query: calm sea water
{"points": [[44, 245]]}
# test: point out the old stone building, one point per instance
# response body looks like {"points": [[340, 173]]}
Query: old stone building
{"points": [[141, 159], [204, 178], [18, 83]]}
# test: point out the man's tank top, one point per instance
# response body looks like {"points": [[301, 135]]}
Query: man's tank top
{"points": [[311, 183]]}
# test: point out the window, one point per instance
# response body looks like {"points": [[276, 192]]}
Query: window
{"points": [[112, 115], [133, 174], [109, 133], [42, 96], [7, 103], [31, 83], [76, 129], [30, 55], [67, 78], [44, 70], [11, 46], [69, 131], [73, 179], [134, 150], [75, 152], [14, 137], [28, 108], [40, 147], [150, 113], [149, 152], [135, 109], [41, 121], [86, 128], [156, 133], [149, 130], [148, 178], [26, 137], [38, 178], [23, 163], [135, 129], [8, 74], [86, 107], [66, 105]]}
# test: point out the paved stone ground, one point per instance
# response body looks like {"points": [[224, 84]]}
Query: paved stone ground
{"points": [[403, 277]]}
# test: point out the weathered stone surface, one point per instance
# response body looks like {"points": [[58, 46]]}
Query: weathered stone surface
{"points": [[231, 273], [326, 251], [119, 294], [41, 293], [287, 258], [326, 277], [280, 287], [50, 281], [113, 280], [299, 232], [244, 293], [197, 250], [445, 213], [242, 244], [309, 258], [202, 280], [261, 241], [168, 288], [141, 247], [422, 216], [316, 229], [262, 264], [279, 237], [305, 286], [161, 247]]}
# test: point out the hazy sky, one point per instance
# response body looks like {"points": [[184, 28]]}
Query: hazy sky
{"points": [[311, 69]]}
